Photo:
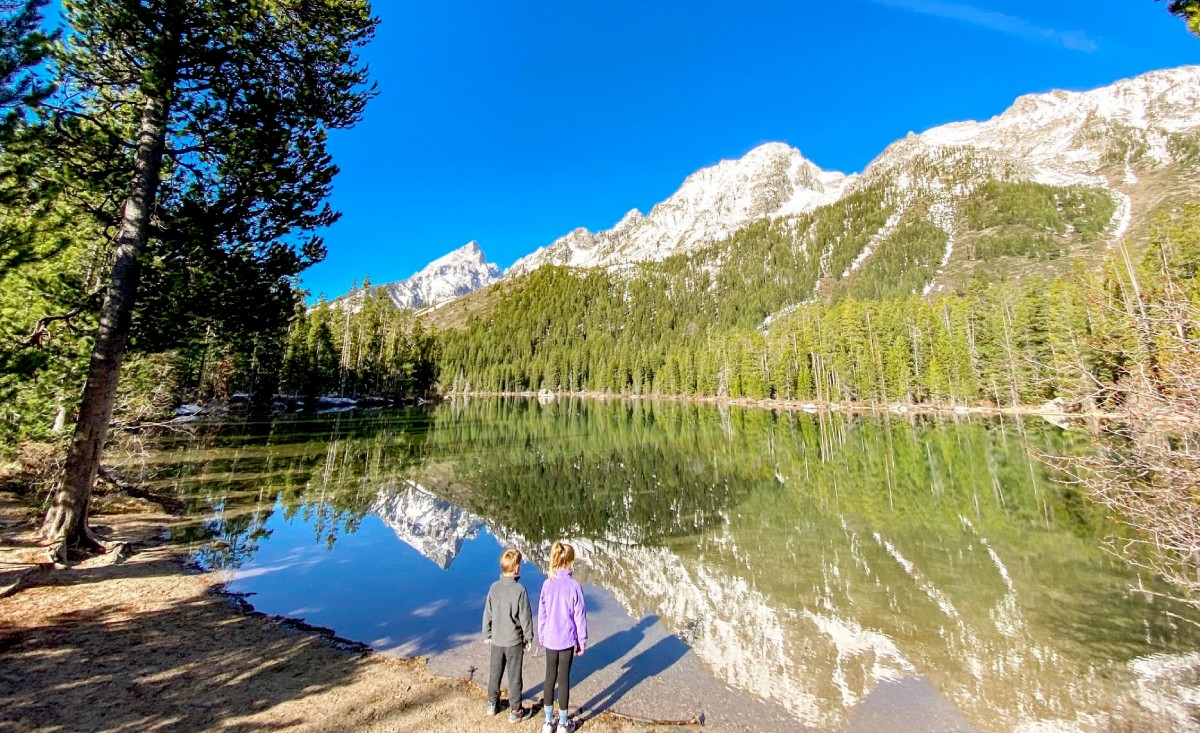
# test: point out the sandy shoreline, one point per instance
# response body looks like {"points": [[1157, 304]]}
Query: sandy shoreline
{"points": [[148, 644]]}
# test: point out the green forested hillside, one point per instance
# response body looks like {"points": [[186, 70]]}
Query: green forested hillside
{"points": [[783, 310]]}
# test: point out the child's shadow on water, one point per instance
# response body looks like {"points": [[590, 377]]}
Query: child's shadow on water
{"points": [[610, 650]]}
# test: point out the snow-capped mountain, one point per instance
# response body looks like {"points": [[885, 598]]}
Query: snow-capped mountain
{"points": [[1064, 138], [1113, 138], [432, 526], [771, 180], [1107, 138], [464, 270], [1100, 138]]}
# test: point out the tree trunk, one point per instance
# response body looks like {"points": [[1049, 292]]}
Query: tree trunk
{"points": [[66, 521]]}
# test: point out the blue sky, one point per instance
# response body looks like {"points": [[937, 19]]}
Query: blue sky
{"points": [[512, 123]]}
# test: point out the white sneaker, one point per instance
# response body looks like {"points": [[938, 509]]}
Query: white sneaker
{"points": [[548, 726], [568, 727]]}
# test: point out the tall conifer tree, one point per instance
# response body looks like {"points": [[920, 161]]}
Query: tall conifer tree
{"points": [[196, 119]]}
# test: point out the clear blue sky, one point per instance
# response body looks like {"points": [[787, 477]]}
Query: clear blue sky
{"points": [[512, 123]]}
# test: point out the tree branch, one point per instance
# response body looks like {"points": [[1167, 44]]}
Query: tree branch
{"points": [[40, 335]]}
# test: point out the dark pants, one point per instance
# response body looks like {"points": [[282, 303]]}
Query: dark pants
{"points": [[558, 669], [511, 657]]}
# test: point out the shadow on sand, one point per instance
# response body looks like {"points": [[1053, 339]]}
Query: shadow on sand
{"points": [[155, 664]]}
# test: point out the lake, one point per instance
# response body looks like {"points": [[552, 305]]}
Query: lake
{"points": [[771, 571]]}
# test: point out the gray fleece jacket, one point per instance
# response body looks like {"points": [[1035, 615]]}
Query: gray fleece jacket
{"points": [[507, 616]]}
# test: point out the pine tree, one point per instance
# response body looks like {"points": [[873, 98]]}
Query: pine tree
{"points": [[214, 115], [23, 49]]}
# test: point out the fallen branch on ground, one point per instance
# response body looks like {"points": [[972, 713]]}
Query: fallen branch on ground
{"points": [[20, 581], [695, 721]]}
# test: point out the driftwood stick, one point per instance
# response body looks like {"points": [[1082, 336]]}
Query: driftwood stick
{"points": [[695, 721]]}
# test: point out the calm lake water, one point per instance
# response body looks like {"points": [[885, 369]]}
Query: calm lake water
{"points": [[840, 572]]}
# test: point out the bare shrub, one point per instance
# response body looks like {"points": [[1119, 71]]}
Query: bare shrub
{"points": [[1146, 467]]}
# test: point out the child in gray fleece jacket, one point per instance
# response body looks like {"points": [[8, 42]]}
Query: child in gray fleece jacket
{"points": [[508, 627]]}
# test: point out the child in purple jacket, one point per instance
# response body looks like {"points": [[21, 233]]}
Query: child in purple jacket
{"points": [[562, 629]]}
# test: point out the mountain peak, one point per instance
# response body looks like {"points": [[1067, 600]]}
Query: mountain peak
{"points": [[448, 277], [772, 179], [1065, 137], [1057, 138], [469, 252]]}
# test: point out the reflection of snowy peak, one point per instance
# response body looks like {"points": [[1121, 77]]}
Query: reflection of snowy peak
{"points": [[433, 527], [771, 180], [746, 638], [463, 271]]}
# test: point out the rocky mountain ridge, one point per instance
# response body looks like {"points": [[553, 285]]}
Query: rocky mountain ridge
{"points": [[771, 180], [451, 276], [1111, 138]]}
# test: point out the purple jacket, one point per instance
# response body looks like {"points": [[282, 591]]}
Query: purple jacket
{"points": [[562, 617]]}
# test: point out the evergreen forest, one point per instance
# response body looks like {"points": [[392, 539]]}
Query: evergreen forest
{"points": [[772, 323]]}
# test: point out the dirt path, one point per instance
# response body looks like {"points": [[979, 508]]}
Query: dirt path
{"points": [[145, 645]]}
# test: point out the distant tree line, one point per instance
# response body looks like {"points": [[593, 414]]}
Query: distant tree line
{"points": [[361, 347]]}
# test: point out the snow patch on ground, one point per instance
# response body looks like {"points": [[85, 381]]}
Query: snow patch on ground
{"points": [[942, 214], [1123, 217], [888, 228], [781, 313]]}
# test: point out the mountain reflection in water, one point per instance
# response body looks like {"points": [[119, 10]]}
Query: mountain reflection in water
{"points": [[806, 559]]}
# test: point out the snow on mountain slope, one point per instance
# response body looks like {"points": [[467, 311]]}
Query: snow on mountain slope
{"points": [[1095, 138], [771, 180], [463, 271], [1063, 138], [1058, 138]]}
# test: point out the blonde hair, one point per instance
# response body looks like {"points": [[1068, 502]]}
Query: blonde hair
{"points": [[562, 557], [510, 561]]}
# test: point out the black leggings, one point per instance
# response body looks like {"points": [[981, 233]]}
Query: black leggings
{"points": [[558, 668]]}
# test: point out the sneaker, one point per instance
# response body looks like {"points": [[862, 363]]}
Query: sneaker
{"points": [[491, 709], [567, 727], [548, 726], [517, 714]]}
